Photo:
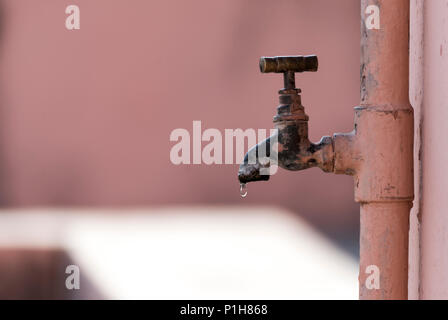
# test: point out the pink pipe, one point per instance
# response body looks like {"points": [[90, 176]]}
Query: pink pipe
{"points": [[379, 152]]}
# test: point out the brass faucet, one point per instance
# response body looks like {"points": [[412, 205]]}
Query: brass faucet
{"points": [[290, 147]]}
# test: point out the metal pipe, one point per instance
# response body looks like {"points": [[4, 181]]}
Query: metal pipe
{"points": [[384, 244], [379, 153], [388, 188]]}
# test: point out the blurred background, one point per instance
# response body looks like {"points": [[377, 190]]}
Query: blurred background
{"points": [[85, 170]]}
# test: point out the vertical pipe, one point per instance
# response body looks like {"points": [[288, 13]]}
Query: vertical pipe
{"points": [[385, 55], [384, 178], [384, 243]]}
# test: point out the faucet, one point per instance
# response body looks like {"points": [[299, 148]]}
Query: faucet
{"points": [[289, 147]]}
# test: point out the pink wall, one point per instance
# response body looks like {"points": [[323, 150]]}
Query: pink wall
{"points": [[86, 115], [434, 227]]}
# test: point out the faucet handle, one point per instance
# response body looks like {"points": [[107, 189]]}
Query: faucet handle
{"points": [[284, 64], [288, 65]]}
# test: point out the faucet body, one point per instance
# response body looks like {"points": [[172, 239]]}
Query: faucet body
{"points": [[295, 150], [290, 147]]}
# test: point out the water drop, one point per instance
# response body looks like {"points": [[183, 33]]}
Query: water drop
{"points": [[243, 190]]}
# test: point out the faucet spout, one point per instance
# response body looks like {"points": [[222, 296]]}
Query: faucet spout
{"points": [[258, 161], [290, 149]]}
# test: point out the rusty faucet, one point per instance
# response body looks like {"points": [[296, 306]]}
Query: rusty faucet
{"points": [[290, 148]]}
